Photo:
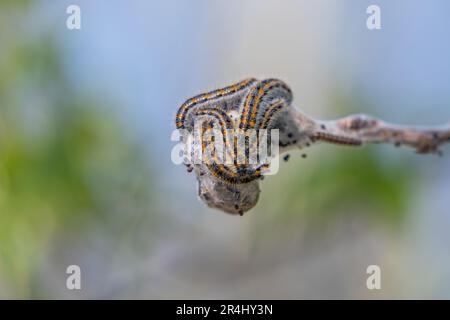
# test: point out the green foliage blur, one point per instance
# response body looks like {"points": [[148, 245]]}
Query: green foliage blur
{"points": [[63, 158]]}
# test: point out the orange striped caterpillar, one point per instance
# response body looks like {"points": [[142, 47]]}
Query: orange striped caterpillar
{"points": [[258, 103], [328, 137], [231, 174], [213, 96], [259, 99]]}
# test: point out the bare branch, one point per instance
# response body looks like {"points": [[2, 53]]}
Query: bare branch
{"points": [[360, 129]]}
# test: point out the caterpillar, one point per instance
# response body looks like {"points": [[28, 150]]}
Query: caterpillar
{"points": [[259, 99], [204, 98], [337, 139]]}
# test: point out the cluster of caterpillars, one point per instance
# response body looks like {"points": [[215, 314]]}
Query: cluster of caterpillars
{"points": [[261, 102]]}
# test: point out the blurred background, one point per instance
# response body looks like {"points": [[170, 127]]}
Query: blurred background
{"points": [[86, 176]]}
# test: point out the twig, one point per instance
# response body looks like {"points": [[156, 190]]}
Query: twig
{"points": [[360, 129]]}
